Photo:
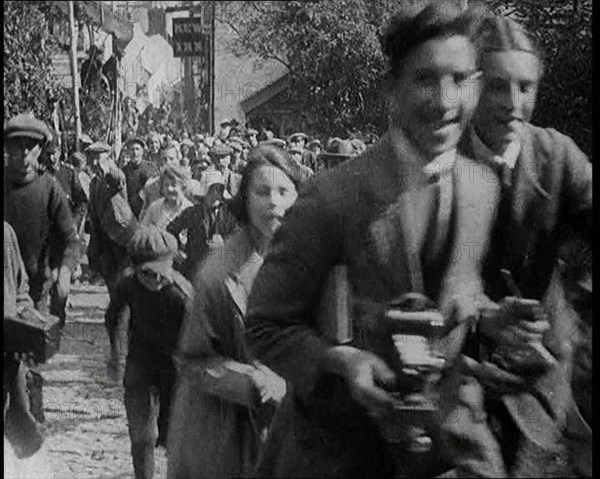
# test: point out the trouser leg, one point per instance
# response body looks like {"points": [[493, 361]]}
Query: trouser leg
{"points": [[167, 382], [116, 323], [141, 405]]}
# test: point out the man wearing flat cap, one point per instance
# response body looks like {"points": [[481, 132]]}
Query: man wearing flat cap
{"points": [[221, 155], [107, 251], [336, 152], [36, 207], [298, 140], [68, 179], [137, 172]]}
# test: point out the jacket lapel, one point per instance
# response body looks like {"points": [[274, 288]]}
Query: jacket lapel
{"points": [[392, 237], [528, 205]]}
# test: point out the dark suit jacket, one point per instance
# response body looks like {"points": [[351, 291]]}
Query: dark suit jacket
{"points": [[551, 194], [352, 215]]}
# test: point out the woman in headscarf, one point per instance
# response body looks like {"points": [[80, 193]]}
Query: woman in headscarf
{"points": [[224, 398]]}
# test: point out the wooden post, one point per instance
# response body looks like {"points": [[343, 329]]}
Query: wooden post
{"points": [[74, 73], [117, 125]]}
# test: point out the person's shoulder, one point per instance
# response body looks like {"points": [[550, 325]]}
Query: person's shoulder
{"points": [[224, 259], [339, 184], [554, 146], [181, 287]]}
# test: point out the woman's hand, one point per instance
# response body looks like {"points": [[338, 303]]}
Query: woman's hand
{"points": [[363, 372], [271, 387]]}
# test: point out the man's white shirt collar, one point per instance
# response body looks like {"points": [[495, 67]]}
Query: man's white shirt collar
{"points": [[441, 165], [481, 151]]}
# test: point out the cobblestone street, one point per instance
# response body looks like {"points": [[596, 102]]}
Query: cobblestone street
{"points": [[86, 428]]}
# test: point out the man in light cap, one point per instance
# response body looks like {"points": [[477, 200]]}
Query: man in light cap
{"points": [[107, 253], [137, 172], [220, 155], [37, 209], [207, 223], [296, 154], [298, 140], [156, 297]]}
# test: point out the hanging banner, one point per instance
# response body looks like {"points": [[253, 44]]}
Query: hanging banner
{"points": [[190, 37]]}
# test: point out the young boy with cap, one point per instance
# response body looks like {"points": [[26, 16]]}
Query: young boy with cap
{"points": [[157, 298]]}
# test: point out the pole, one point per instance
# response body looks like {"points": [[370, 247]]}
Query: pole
{"points": [[211, 71], [74, 74], [118, 102]]}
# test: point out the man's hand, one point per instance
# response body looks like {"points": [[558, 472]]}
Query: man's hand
{"points": [[514, 322], [272, 387], [363, 371], [62, 279]]}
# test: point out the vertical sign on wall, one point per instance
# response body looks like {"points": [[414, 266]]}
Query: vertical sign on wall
{"points": [[193, 39]]}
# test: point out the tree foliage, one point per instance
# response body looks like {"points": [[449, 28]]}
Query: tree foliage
{"points": [[332, 50], [28, 80]]}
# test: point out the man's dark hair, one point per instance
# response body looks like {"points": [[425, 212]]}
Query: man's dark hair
{"points": [[407, 31]]}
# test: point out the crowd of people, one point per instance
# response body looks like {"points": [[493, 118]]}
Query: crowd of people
{"points": [[216, 251]]}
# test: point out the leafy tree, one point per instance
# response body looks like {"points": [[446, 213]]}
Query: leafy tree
{"points": [[332, 50], [28, 80], [333, 53]]}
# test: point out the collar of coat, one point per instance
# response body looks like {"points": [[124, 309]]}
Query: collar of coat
{"points": [[414, 159], [509, 157]]}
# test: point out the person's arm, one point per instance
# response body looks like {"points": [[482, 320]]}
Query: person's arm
{"points": [[206, 346], [577, 189], [118, 309], [64, 234], [148, 215], [16, 284], [180, 223]]}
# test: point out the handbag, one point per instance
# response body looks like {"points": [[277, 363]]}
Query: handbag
{"points": [[32, 332]]}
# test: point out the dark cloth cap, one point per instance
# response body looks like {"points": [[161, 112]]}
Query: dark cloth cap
{"points": [[274, 142], [99, 147], [297, 135], [220, 150], [151, 246], [337, 148], [139, 141], [28, 126]]}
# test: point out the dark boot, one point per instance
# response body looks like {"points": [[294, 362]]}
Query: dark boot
{"points": [[143, 460]]}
